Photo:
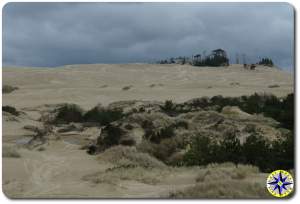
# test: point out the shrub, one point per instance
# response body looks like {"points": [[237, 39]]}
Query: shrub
{"points": [[230, 149], [10, 152], [8, 89], [40, 149], [125, 155], [216, 181], [156, 136], [168, 150], [200, 102], [266, 62], [169, 108], [217, 58], [113, 135], [116, 174], [227, 171], [202, 151], [102, 115], [181, 124], [125, 88], [255, 150], [165, 149], [282, 152], [11, 110], [69, 113], [273, 86], [223, 189], [280, 109]]}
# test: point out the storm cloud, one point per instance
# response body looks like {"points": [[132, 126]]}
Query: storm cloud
{"points": [[55, 34]]}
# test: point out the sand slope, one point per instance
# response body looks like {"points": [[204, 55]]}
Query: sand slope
{"points": [[58, 170], [88, 85]]}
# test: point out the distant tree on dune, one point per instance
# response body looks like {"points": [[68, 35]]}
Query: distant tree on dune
{"points": [[266, 62]]}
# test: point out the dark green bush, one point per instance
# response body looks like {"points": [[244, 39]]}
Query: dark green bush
{"points": [[157, 135], [202, 151], [256, 150], [282, 153], [8, 89], [280, 109], [168, 107], [11, 110], [230, 149], [266, 62], [69, 113], [102, 115], [113, 135], [217, 58], [164, 149]]}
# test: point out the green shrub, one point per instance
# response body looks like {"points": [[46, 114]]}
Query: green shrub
{"points": [[125, 88], [8, 89], [10, 152], [69, 113], [266, 62], [129, 156], [280, 109], [11, 110], [102, 115], [255, 150], [202, 151], [169, 108], [113, 135], [220, 189], [230, 149], [280, 153], [156, 136]]}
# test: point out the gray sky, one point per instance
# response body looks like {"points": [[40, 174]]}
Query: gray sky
{"points": [[54, 34]]}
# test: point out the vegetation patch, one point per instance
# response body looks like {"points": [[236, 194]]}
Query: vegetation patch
{"points": [[11, 110], [204, 150], [126, 88], [224, 189], [273, 86], [266, 62], [102, 115], [280, 109], [10, 152], [130, 173], [226, 180], [69, 113], [8, 89], [129, 156]]}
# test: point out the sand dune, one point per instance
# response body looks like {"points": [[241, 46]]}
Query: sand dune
{"points": [[57, 170], [88, 85]]}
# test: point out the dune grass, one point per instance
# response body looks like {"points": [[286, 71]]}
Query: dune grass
{"points": [[10, 152], [226, 181], [128, 164], [8, 89], [129, 156], [129, 173]]}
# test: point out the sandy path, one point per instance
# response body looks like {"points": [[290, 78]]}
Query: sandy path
{"points": [[58, 171]]}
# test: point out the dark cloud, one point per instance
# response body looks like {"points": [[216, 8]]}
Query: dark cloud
{"points": [[54, 34]]}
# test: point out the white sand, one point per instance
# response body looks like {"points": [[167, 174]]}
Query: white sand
{"points": [[85, 84], [58, 171]]}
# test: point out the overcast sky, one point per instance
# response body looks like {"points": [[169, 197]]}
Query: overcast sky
{"points": [[55, 34]]}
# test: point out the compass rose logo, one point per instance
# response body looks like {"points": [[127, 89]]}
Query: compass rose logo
{"points": [[280, 183]]}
